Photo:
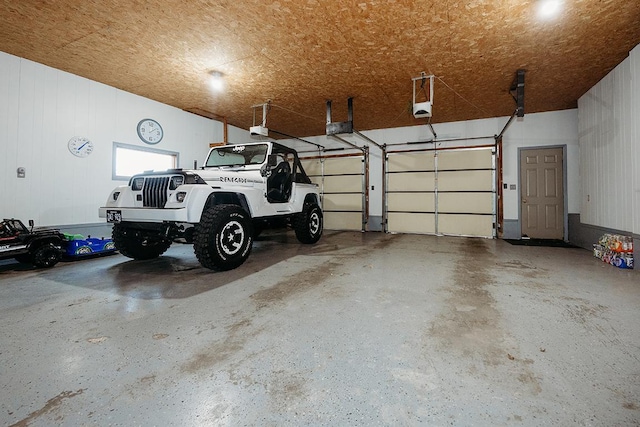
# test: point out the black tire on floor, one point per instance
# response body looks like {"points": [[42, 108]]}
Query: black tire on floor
{"points": [[308, 224], [224, 237], [46, 255], [139, 244]]}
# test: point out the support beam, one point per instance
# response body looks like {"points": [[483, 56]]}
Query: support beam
{"points": [[351, 144], [432, 130], [518, 87], [321, 147], [431, 141], [365, 137], [504, 129]]}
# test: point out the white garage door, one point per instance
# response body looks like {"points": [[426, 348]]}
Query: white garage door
{"points": [[342, 181], [444, 191]]}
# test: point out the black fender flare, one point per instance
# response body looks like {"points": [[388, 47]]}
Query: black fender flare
{"points": [[311, 198], [227, 198]]}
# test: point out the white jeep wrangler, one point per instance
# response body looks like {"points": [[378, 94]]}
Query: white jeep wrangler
{"points": [[220, 208]]}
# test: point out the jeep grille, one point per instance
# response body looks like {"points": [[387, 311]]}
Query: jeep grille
{"points": [[154, 193]]}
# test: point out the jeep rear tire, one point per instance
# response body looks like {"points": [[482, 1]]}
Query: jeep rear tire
{"points": [[46, 255], [308, 224], [224, 237], [139, 244]]}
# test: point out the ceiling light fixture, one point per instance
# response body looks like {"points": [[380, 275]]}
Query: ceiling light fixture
{"points": [[216, 81], [548, 9]]}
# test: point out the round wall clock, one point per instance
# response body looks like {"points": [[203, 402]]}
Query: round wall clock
{"points": [[150, 131], [80, 146]]}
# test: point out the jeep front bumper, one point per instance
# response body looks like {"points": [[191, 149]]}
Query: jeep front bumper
{"points": [[128, 214]]}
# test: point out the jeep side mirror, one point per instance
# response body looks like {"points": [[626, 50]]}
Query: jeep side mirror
{"points": [[31, 224]]}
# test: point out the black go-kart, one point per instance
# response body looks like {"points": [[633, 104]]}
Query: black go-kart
{"points": [[42, 248]]}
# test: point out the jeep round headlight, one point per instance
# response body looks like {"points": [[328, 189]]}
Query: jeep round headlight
{"points": [[137, 184], [180, 195]]}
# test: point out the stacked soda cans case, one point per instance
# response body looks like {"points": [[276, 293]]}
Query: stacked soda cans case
{"points": [[615, 249]]}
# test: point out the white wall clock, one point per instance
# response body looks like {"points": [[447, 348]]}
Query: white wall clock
{"points": [[80, 146], [150, 131]]}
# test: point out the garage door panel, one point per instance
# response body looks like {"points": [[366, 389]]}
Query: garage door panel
{"points": [[411, 202], [465, 180], [343, 184], [413, 181], [465, 159], [456, 189], [400, 222], [343, 166], [343, 202], [333, 166], [465, 202], [466, 225], [343, 220], [312, 167], [316, 180], [411, 162]]}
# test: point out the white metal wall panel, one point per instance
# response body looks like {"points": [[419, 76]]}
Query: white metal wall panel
{"points": [[634, 132], [41, 108], [609, 132]]}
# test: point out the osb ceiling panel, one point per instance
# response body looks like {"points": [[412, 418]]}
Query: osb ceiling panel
{"points": [[299, 53]]}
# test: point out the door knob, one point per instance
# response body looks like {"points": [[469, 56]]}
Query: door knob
{"points": [[524, 200]]}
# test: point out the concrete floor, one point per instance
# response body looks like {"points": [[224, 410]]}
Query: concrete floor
{"points": [[360, 329]]}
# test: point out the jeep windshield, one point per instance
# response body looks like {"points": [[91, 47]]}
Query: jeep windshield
{"points": [[237, 155]]}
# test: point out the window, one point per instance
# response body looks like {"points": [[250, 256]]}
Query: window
{"points": [[129, 160], [237, 155]]}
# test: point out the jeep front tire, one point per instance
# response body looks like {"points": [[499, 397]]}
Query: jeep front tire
{"points": [[308, 224], [224, 237], [139, 244]]}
